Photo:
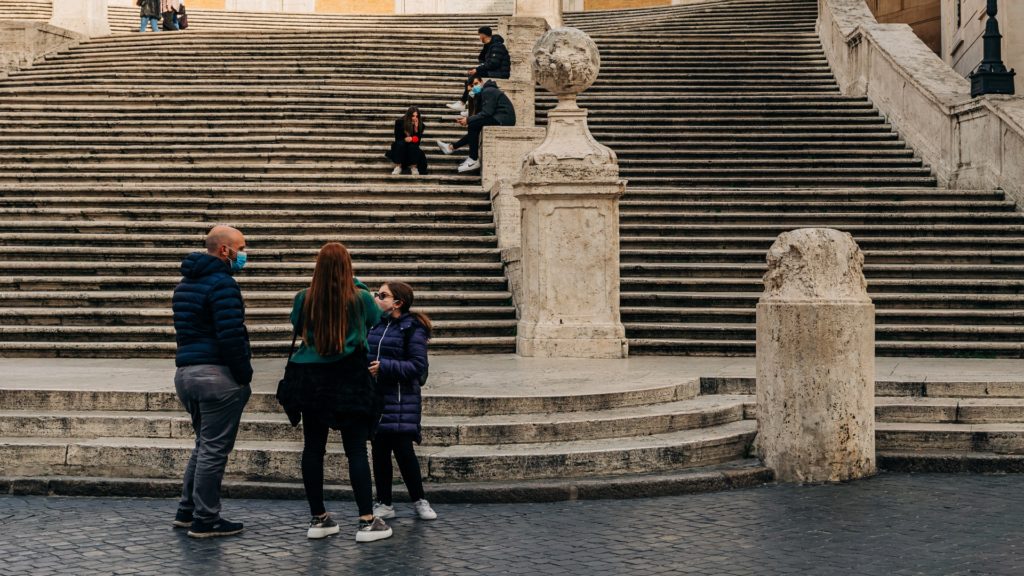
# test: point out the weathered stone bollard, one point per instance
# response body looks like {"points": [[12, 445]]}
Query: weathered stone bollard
{"points": [[569, 193], [816, 360]]}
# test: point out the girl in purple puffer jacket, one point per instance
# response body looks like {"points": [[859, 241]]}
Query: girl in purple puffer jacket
{"points": [[398, 360]]}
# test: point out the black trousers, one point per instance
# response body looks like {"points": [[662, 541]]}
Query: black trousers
{"points": [[353, 438], [472, 137], [401, 446]]}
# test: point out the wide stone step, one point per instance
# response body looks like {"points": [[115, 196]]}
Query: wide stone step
{"points": [[124, 252], [868, 243], [278, 460], [884, 333], [629, 206], [950, 410], [875, 285], [266, 283], [883, 316], [749, 300], [1002, 438], [930, 348], [702, 412], [273, 247]]}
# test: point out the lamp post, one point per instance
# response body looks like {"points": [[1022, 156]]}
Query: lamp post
{"points": [[992, 77]]}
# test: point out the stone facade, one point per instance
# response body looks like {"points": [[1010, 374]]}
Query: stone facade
{"points": [[86, 17], [816, 360], [569, 190]]}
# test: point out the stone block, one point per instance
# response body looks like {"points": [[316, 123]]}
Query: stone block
{"points": [[503, 149], [23, 43], [86, 17], [816, 360], [523, 97]]}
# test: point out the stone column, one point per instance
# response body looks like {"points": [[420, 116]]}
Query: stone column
{"points": [[816, 360], [569, 192], [86, 17], [550, 10], [521, 33]]}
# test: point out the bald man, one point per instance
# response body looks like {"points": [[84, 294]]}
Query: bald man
{"points": [[213, 376]]}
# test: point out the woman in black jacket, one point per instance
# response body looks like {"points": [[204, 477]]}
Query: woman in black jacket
{"points": [[405, 150]]}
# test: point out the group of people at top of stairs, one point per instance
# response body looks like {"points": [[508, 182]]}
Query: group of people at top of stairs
{"points": [[168, 15], [359, 368], [482, 104]]}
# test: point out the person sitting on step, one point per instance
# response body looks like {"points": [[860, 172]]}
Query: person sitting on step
{"points": [[494, 62], [405, 150], [493, 109]]}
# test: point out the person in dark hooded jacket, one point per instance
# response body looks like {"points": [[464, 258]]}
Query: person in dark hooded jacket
{"points": [[213, 374], [398, 359], [494, 108], [493, 62]]}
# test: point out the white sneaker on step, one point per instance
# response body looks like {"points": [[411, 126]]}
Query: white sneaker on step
{"points": [[445, 147], [396, 171], [469, 165], [457, 105], [414, 171]]}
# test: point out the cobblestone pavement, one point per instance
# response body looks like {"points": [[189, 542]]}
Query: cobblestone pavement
{"points": [[892, 525]]}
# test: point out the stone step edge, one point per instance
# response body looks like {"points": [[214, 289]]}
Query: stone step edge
{"points": [[743, 474], [940, 462], [888, 388]]}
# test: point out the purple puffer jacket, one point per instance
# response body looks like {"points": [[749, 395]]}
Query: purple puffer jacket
{"points": [[400, 372]]}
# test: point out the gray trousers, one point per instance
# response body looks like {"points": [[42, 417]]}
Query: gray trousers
{"points": [[215, 402]]}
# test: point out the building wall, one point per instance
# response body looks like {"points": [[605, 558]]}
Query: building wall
{"points": [[924, 16], [962, 46]]}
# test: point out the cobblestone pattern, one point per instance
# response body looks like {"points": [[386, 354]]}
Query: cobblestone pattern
{"points": [[893, 524]]}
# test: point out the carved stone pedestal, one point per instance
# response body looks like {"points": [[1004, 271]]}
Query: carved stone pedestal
{"points": [[569, 191]]}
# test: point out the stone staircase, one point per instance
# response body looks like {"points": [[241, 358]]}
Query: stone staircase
{"points": [[478, 430], [25, 9]]}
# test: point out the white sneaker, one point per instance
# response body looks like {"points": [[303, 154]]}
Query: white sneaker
{"points": [[457, 105], [396, 171], [424, 511], [383, 510], [469, 166], [373, 530], [414, 171], [445, 147], [464, 113]]}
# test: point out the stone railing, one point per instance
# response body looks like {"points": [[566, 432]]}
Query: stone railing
{"points": [[969, 143]]}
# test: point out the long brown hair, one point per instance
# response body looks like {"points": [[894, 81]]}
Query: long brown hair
{"points": [[330, 300], [407, 121], [403, 292]]}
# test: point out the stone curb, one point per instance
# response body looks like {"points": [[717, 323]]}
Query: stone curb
{"points": [[482, 493], [945, 462]]}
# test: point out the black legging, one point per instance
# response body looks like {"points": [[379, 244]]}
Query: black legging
{"points": [[472, 137], [353, 438], [408, 465]]}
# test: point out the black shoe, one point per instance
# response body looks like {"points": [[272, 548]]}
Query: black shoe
{"points": [[214, 529], [183, 519]]}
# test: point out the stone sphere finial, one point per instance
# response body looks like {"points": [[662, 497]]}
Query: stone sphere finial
{"points": [[566, 62]]}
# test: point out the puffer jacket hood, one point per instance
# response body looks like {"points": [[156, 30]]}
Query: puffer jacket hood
{"points": [[199, 264]]}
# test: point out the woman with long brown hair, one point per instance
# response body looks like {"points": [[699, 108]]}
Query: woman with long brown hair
{"points": [[332, 317]]}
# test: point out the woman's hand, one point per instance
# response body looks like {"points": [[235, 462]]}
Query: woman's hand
{"points": [[375, 368], [408, 138]]}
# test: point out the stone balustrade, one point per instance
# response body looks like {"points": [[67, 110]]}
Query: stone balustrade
{"points": [[969, 143]]}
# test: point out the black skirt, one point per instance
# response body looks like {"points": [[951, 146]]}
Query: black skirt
{"points": [[408, 154], [336, 392]]}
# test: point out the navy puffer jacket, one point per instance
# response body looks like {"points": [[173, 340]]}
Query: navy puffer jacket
{"points": [[400, 372], [209, 317]]}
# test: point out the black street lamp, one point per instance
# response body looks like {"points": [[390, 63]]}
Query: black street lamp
{"points": [[992, 77]]}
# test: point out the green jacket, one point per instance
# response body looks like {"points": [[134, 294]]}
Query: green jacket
{"points": [[367, 314]]}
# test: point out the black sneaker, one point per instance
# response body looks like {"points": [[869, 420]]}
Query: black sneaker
{"points": [[372, 530], [183, 519], [214, 529], [322, 527]]}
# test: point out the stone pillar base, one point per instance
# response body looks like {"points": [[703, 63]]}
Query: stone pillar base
{"points": [[816, 360], [87, 17], [503, 150], [572, 347], [524, 100]]}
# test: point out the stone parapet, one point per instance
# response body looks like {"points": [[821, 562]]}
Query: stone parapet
{"points": [[969, 143], [25, 42]]}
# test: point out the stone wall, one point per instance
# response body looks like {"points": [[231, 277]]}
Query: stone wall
{"points": [[406, 6], [970, 144], [24, 42]]}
